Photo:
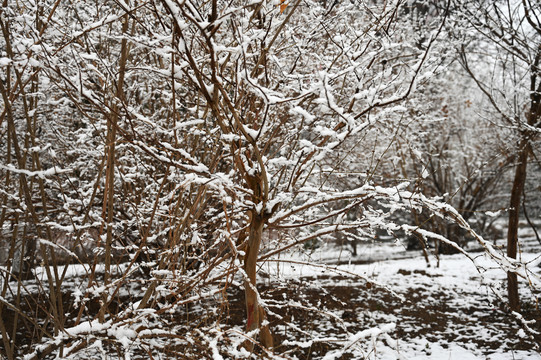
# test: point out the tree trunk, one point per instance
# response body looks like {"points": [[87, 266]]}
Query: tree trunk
{"points": [[109, 196], [520, 177], [256, 316], [512, 230]]}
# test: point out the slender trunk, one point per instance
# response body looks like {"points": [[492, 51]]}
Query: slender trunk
{"points": [[519, 181], [256, 316], [512, 230], [110, 167]]}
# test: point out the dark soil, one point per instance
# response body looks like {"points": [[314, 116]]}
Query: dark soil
{"points": [[423, 314], [324, 307]]}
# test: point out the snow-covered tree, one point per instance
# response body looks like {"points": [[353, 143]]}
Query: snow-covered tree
{"points": [[174, 146], [505, 37]]}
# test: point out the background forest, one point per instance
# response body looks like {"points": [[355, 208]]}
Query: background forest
{"points": [[159, 158]]}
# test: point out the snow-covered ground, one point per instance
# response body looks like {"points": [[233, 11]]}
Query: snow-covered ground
{"points": [[450, 311], [385, 303]]}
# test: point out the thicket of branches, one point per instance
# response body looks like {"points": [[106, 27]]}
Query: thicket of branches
{"points": [[171, 146]]}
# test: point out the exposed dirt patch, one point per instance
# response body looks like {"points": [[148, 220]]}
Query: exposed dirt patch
{"points": [[305, 309], [431, 316]]}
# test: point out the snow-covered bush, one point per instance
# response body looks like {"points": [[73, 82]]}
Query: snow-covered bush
{"points": [[180, 144]]}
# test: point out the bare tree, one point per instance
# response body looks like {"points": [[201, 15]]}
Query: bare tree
{"points": [[192, 141], [511, 32]]}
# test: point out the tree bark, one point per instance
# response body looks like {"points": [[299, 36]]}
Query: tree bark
{"points": [[109, 196], [512, 230], [520, 178], [256, 316]]}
